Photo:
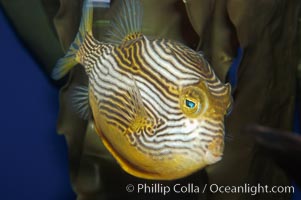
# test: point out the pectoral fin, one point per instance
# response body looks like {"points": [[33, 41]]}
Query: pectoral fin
{"points": [[139, 119]]}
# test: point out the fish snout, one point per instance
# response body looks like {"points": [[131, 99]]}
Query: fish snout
{"points": [[215, 150]]}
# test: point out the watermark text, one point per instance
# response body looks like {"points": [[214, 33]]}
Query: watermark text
{"points": [[191, 188]]}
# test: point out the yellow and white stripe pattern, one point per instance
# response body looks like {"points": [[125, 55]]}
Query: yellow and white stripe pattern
{"points": [[157, 104], [160, 69]]}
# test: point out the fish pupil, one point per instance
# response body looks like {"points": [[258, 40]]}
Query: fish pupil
{"points": [[189, 103]]}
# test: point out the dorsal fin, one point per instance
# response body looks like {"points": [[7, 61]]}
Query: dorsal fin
{"points": [[127, 24]]}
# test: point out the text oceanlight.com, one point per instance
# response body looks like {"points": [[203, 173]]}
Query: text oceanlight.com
{"points": [[190, 188]]}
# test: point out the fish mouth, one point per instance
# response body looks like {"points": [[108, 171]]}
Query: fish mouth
{"points": [[215, 150], [211, 158]]}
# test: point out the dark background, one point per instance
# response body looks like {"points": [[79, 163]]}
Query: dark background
{"points": [[34, 161]]}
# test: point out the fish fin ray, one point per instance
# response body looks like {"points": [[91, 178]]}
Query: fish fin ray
{"points": [[138, 116], [136, 99], [127, 24], [80, 101], [65, 64]]}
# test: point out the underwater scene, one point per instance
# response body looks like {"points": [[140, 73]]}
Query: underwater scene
{"points": [[149, 99]]}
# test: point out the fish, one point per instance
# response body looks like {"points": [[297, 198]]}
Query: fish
{"points": [[156, 104]]}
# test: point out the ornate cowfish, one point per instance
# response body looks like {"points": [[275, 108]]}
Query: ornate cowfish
{"points": [[157, 105]]}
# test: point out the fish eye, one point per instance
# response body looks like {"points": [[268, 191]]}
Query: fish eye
{"points": [[190, 104], [192, 101]]}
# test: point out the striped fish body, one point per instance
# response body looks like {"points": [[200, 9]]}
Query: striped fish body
{"points": [[157, 105], [174, 143]]}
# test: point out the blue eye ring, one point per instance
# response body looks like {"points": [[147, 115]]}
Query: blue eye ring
{"points": [[190, 104]]}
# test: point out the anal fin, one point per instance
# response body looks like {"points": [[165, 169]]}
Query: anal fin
{"points": [[80, 101]]}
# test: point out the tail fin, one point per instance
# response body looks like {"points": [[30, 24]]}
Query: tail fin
{"points": [[127, 23], [65, 64]]}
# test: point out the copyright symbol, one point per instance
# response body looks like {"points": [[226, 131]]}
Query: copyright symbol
{"points": [[130, 188]]}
